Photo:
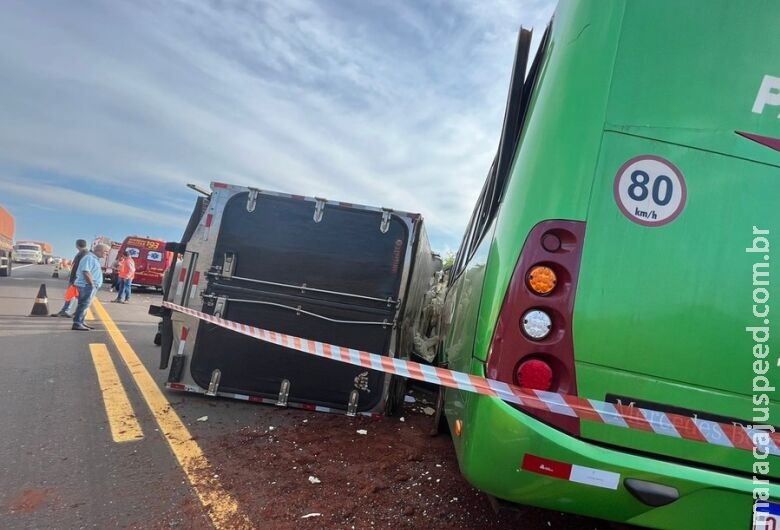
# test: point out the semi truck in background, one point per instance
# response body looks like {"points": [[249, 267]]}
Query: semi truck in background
{"points": [[46, 251], [344, 274], [7, 229], [28, 252]]}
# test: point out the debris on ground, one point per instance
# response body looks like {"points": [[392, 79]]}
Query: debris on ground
{"points": [[398, 478], [203, 418]]}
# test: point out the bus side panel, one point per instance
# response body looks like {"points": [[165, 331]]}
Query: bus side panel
{"points": [[553, 169]]}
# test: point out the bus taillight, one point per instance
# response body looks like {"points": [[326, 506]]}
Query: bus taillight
{"points": [[532, 344], [535, 374], [542, 280]]}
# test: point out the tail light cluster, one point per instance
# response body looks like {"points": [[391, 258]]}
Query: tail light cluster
{"points": [[532, 344]]}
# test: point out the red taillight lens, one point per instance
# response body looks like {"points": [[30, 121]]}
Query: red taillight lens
{"points": [[538, 353], [535, 374]]}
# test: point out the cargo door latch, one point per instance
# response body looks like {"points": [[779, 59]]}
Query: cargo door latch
{"points": [[228, 264], [219, 306]]}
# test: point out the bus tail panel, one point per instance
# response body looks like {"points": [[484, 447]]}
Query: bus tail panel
{"points": [[666, 291]]}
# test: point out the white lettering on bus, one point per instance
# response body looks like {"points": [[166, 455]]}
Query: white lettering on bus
{"points": [[768, 94]]}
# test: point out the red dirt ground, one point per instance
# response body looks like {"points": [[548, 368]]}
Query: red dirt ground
{"points": [[394, 476]]}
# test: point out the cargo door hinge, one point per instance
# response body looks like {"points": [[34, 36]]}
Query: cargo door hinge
{"points": [[216, 375], [284, 391], [319, 207], [353, 403], [385, 224], [251, 202]]}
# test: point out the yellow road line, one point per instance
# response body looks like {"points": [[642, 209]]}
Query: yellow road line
{"points": [[222, 508], [121, 418], [90, 315]]}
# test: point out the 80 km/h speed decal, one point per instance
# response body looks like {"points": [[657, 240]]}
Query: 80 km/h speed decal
{"points": [[650, 190]]}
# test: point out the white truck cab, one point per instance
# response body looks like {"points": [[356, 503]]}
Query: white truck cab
{"points": [[28, 253]]}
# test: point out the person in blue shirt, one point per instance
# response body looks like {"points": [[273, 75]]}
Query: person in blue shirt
{"points": [[81, 245], [89, 278]]}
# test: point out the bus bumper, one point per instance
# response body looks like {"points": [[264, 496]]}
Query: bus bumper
{"points": [[496, 439]]}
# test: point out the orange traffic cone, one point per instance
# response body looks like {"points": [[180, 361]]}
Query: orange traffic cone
{"points": [[41, 305]]}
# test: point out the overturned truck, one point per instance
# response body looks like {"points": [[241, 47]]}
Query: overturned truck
{"points": [[344, 274]]}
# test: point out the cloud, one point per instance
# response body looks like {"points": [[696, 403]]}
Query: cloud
{"points": [[396, 104], [57, 198]]}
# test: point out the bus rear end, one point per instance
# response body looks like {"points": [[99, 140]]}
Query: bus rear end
{"points": [[629, 265]]}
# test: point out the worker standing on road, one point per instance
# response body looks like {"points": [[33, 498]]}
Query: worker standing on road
{"points": [[81, 246], [89, 278], [126, 275], [116, 283]]}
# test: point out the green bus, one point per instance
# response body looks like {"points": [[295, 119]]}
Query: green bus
{"points": [[619, 252]]}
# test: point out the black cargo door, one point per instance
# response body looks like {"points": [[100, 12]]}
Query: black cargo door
{"points": [[328, 281]]}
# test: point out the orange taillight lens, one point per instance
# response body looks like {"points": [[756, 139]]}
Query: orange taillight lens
{"points": [[458, 427], [542, 280]]}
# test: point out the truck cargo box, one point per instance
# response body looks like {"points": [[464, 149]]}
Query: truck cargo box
{"points": [[322, 270], [7, 229]]}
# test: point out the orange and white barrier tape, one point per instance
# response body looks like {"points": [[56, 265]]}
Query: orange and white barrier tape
{"points": [[663, 423]]}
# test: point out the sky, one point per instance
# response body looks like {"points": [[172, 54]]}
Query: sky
{"points": [[109, 108]]}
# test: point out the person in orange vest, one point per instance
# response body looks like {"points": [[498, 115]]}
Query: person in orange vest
{"points": [[126, 275]]}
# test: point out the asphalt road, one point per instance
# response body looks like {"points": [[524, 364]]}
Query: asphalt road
{"points": [[90, 439], [59, 467]]}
